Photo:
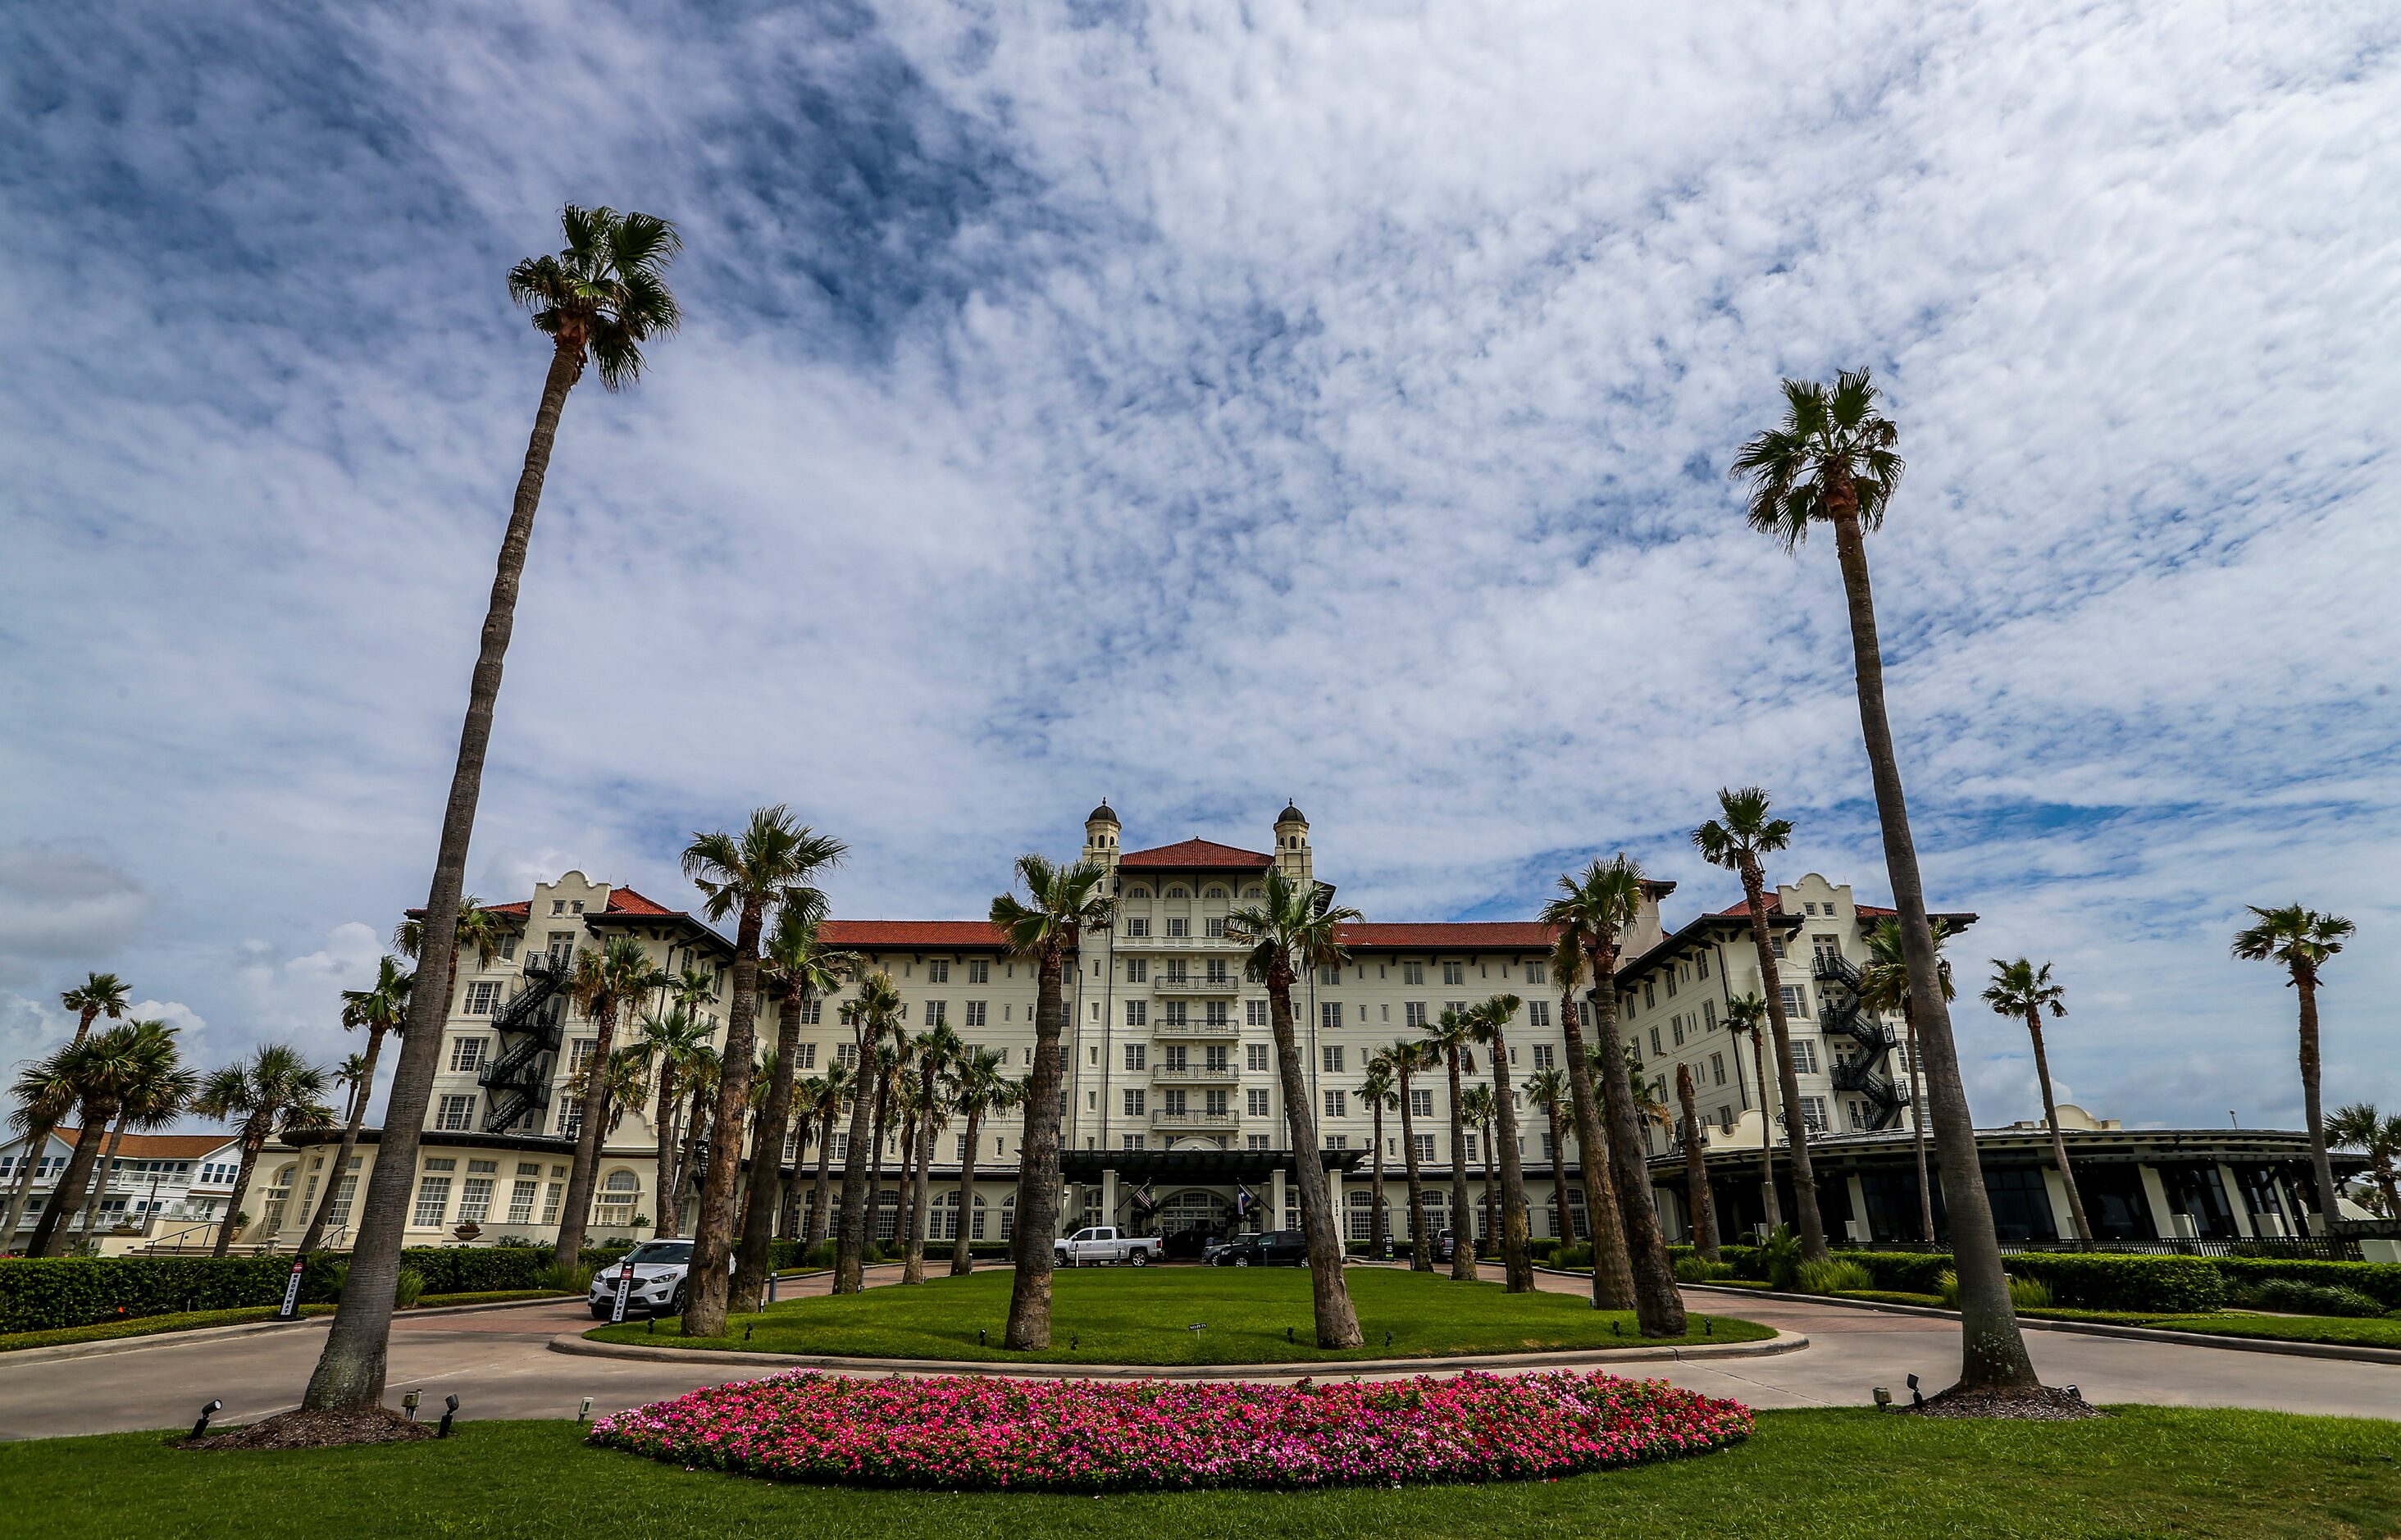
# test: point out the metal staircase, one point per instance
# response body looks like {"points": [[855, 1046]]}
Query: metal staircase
{"points": [[529, 1026], [1859, 1072]]}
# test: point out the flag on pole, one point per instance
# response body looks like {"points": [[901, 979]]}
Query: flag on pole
{"points": [[1242, 1200]]}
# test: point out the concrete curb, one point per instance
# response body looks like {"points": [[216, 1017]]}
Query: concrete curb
{"points": [[110, 1345], [2095, 1329], [1783, 1342]]}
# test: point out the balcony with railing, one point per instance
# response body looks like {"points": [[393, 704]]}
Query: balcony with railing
{"points": [[1193, 1074], [1180, 943], [1226, 1028], [1193, 1118], [1174, 984]]}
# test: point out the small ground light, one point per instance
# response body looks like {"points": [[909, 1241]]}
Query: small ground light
{"points": [[408, 1403], [1387, 1338], [1916, 1396], [206, 1413], [748, 1329], [979, 1336], [584, 1412], [1883, 1399], [1287, 1334], [1075, 1341], [449, 1410], [2078, 1394]]}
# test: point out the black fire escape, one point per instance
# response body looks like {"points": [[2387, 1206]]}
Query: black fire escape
{"points": [[529, 1026], [1863, 1072]]}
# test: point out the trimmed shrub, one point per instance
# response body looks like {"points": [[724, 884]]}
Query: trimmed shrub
{"points": [[2290, 1296], [1572, 1256], [2113, 1281], [1901, 1272], [1700, 1270], [2379, 1281], [1832, 1277]]}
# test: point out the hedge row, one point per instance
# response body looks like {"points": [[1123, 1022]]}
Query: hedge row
{"points": [[2378, 1280], [2084, 1280]]}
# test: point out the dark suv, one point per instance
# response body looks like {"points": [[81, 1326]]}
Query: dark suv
{"points": [[1270, 1248]]}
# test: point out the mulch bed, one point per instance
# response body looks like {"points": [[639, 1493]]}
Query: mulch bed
{"points": [[2042, 1404], [315, 1430]]}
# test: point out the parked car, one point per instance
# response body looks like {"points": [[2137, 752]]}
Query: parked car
{"points": [[1099, 1246], [1268, 1248], [1192, 1244], [1440, 1246], [659, 1272]]}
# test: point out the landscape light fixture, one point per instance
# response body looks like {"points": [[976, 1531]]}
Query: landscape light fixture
{"points": [[206, 1413], [1287, 1334], [449, 1410], [1916, 1396], [408, 1403], [979, 1336], [584, 1412], [748, 1329], [1883, 1399]]}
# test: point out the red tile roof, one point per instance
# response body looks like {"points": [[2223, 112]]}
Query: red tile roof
{"points": [[1187, 854], [161, 1146], [1457, 936], [621, 900], [931, 935]]}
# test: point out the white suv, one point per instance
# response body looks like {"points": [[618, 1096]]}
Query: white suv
{"points": [[659, 1268]]}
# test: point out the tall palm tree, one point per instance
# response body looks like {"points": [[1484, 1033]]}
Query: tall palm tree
{"points": [[2022, 990], [979, 1088], [2300, 941], [1445, 1037], [829, 1096], [478, 929], [1045, 930], [1831, 459], [2359, 1126], [1548, 1090], [1884, 986], [891, 1092], [773, 863], [599, 299], [938, 1050], [1612, 1272], [1376, 1092], [1697, 1174], [799, 968], [1489, 1023], [600, 983], [273, 1091], [1294, 927], [1597, 909], [1478, 1103], [1747, 1017], [1735, 841], [874, 1011], [355, 1076], [668, 1044], [99, 995], [1408, 1057], [380, 1008], [45, 1093], [699, 1074], [156, 1089], [99, 1068]]}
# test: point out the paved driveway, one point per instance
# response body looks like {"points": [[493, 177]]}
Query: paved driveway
{"points": [[498, 1364]]}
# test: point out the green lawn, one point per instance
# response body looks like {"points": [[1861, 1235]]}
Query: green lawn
{"points": [[147, 1325], [1123, 1315], [2373, 1331], [1828, 1474]]}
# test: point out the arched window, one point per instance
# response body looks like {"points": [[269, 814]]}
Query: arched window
{"points": [[1214, 893], [888, 1214], [1252, 893], [1362, 1205], [1008, 1217], [1139, 893], [942, 1219], [614, 1204], [1179, 891], [279, 1190]]}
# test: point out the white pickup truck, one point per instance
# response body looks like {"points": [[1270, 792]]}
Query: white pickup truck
{"points": [[1097, 1245]]}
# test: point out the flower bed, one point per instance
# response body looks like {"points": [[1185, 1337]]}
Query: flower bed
{"points": [[978, 1433]]}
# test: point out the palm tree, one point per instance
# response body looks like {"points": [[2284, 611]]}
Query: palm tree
{"points": [[800, 969], [1065, 904], [891, 1090], [599, 300], [699, 1074], [99, 1069], [2023, 991], [1446, 1035], [275, 1091], [154, 1093], [99, 995], [937, 1050], [2300, 941], [1596, 909], [828, 1094], [668, 1044], [2359, 1127], [380, 1008], [356, 1077], [1735, 841], [1376, 1092], [1747, 1017], [1489, 1023], [874, 1011], [772, 863], [600, 983], [45, 1093], [1408, 1057], [479, 930], [1884, 986], [1548, 1090], [1696, 1174], [1297, 926], [977, 1088], [1478, 1105], [1613, 1274], [1831, 459]]}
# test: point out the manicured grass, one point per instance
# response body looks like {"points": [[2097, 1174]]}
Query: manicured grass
{"points": [[2145, 1471], [491, 1297], [147, 1325], [2373, 1331], [1122, 1316]]}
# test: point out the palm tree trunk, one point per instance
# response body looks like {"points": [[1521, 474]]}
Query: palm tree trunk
{"points": [[590, 1130], [2312, 1113], [350, 1371], [84, 1017], [1420, 1251], [695, 1125], [1337, 1322], [1992, 1353], [1658, 1308], [1697, 1174], [2058, 1141], [49, 1236], [1772, 1207], [1566, 1225], [38, 1140], [821, 1195], [1376, 1230], [707, 1296], [1037, 1167], [914, 1271], [1788, 1079], [1917, 1129], [1516, 1229], [851, 1251], [107, 1167], [1491, 1196], [756, 1259], [787, 1223], [1613, 1271], [875, 1160], [254, 1139], [663, 1131], [1463, 1207], [907, 1215], [962, 1259], [324, 1216]]}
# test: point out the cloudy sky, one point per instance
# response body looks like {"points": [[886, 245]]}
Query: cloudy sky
{"points": [[1201, 405]]}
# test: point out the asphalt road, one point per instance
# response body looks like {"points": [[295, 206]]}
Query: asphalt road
{"points": [[498, 1364]]}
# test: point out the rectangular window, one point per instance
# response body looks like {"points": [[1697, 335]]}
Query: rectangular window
{"points": [[1134, 1055], [1813, 1114], [1470, 1147], [1550, 1151], [1134, 1104], [467, 1053], [1420, 1101], [1218, 1012], [980, 970], [1655, 1049], [1137, 970], [1217, 924], [1220, 1060], [842, 1147], [812, 1011], [456, 1115], [1672, 984], [846, 1055], [807, 1058], [1137, 1013], [1333, 1057], [1337, 1141], [1137, 925], [1256, 1012], [1717, 1069], [937, 1013], [1647, 1000], [579, 1053], [1329, 976], [1215, 1103], [1709, 1014], [1258, 1141], [1338, 1103], [1257, 1103], [1534, 972], [483, 998], [1425, 1143], [1178, 925], [1701, 966], [1804, 1056], [1542, 1055], [1129, 1141], [1413, 1015], [1413, 972], [474, 1200], [521, 1197], [1454, 972], [1538, 1012], [1675, 1028], [1172, 1103], [432, 1202], [570, 1116], [1179, 1013], [939, 971], [1255, 1056], [1796, 1002], [553, 1194]]}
